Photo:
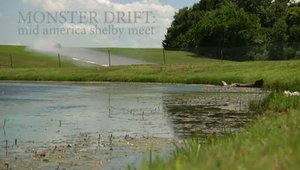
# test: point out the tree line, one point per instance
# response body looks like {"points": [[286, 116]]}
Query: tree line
{"points": [[238, 29]]}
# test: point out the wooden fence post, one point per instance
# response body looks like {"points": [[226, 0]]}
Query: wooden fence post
{"points": [[164, 56], [11, 61], [59, 63], [109, 58]]}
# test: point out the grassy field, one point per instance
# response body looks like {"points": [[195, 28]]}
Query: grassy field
{"points": [[277, 75], [25, 58], [186, 68], [156, 55]]}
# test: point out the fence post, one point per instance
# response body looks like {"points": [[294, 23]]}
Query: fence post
{"points": [[59, 63], [11, 61], [222, 54], [150, 158], [164, 56], [109, 58], [6, 147]]}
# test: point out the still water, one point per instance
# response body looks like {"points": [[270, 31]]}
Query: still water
{"points": [[38, 111], [48, 112]]}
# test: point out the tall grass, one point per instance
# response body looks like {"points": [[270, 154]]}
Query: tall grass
{"points": [[270, 142], [276, 103]]}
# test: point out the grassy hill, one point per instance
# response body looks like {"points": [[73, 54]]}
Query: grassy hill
{"points": [[183, 67], [25, 58], [155, 55]]}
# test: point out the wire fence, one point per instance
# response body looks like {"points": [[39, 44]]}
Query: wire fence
{"points": [[156, 56]]}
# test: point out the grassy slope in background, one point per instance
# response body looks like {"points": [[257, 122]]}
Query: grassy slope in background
{"points": [[25, 58], [34, 66], [156, 55]]}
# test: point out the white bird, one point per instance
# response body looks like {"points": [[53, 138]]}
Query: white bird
{"points": [[288, 93], [224, 83]]}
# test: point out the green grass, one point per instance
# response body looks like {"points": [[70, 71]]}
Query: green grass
{"points": [[271, 142], [155, 55], [277, 75], [29, 65], [186, 68], [25, 58]]}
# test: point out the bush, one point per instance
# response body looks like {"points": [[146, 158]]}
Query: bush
{"points": [[289, 53]]}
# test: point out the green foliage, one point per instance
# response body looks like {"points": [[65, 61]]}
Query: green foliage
{"points": [[293, 20], [208, 5], [241, 29], [279, 38], [290, 53], [180, 25], [227, 27], [278, 102], [270, 143]]}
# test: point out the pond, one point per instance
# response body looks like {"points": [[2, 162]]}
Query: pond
{"points": [[101, 124]]}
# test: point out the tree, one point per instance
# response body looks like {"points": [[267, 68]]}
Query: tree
{"points": [[209, 5], [179, 26], [248, 5], [279, 38], [293, 21], [228, 26], [268, 27]]}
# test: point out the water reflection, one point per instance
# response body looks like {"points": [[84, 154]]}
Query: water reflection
{"points": [[208, 113], [42, 116], [34, 111]]}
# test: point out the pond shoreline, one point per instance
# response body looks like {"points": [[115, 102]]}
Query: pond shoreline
{"points": [[104, 82], [48, 114]]}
